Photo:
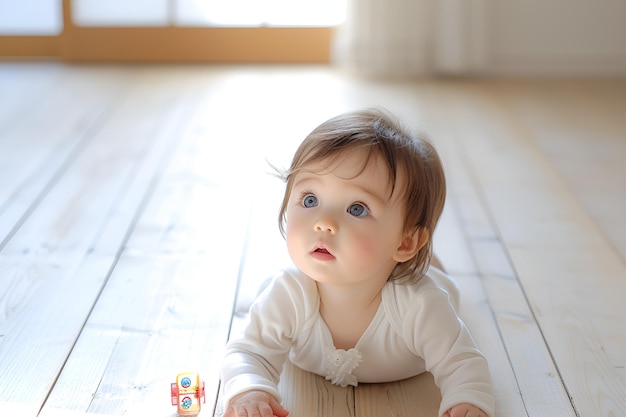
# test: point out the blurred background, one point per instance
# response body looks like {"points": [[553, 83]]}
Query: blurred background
{"points": [[400, 38], [137, 140]]}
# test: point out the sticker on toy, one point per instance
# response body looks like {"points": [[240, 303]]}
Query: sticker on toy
{"points": [[187, 393]]}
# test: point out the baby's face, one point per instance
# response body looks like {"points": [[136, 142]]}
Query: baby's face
{"points": [[342, 226]]}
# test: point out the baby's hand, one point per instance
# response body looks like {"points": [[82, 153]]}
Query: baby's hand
{"points": [[255, 403], [464, 410]]}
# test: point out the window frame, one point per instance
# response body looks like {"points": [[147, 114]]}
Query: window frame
{"points": [[175, 43]]}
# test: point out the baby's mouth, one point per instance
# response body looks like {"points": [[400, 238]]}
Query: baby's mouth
{"points": [[322, 254]]}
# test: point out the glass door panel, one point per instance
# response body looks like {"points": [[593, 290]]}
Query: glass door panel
{"points": [[306, 13], [121, 12], [242, 13], [31, 17], [217, 13]]}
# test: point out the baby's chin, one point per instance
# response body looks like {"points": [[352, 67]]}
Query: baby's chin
{"points": [[317, 274], [332, 280]]}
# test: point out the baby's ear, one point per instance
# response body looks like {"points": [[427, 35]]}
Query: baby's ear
{"points": [[411, 244]]}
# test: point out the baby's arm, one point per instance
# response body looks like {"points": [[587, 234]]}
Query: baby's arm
{"points": [[464, 410], [460, 370], [253, 362], [255, 403]]}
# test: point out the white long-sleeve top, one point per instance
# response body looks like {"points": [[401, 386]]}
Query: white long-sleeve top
{"points": [[415, 329]]}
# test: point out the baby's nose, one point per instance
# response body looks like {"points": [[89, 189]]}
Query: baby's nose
{"points": [[326, 224]]}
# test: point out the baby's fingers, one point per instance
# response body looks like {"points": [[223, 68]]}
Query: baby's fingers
{"points": [[263, 410], [255, 404], [277, 409], [464, 410]]}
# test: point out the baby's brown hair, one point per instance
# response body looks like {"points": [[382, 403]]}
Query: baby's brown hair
{"points": [[378, 133]]}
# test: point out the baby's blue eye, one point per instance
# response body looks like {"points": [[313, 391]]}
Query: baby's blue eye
{"points": [[309, 200], [358, 210]]}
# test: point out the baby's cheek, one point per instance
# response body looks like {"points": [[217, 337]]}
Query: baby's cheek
{"points": [[293, 236], [293, 225], [368, 247], [372, 250]]}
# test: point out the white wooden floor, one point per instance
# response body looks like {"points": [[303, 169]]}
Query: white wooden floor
{"points": [[138, 216]]}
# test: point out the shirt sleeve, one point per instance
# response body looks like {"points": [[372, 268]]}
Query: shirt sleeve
{"points": [[443, 341], [255, 360]]}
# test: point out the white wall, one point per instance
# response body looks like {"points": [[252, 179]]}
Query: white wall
{"points": [[556, 37]]}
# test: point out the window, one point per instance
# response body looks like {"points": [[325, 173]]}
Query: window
{"points": [[260, 13], [214, 13], [171, 30], [30, 17]]}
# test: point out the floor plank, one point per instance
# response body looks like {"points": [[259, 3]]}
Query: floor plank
{"points": [[581, 127], [43, 140], [535, 374], [25, 86], [70, 242], [173, 290], [555, 249], [417, 396]]}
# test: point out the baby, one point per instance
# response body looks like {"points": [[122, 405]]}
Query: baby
{"points": [[362, 303]]}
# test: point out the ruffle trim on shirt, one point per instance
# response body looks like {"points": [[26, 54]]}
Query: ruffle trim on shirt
{"points": [[339, 366]]}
